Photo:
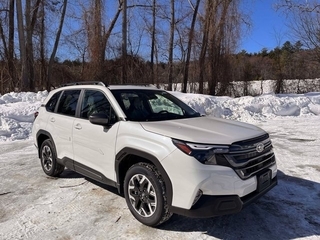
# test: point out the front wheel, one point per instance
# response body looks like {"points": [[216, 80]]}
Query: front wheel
{"points": [[145, 194], [48, 158]]}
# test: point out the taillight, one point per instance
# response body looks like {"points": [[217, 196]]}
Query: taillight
{"points": [[36, 115]]}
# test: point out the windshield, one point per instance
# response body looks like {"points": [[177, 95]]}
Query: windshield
{"points": [[152, 105]]}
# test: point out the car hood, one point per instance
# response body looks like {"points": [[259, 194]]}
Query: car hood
{"points": [[207, 130]]}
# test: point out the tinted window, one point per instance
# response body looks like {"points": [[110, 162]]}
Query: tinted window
{"points": [[96, 102], [51, 105], [68, 102]]}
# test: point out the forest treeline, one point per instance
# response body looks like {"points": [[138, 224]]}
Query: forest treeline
{"points": [[147, 42]]}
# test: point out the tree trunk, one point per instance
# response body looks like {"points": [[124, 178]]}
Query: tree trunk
{"points": [[4, 42], [153, 40], [56, 43], [43, 76], [6, 53], [22, 44], [204, 46], [11, 67], [191, 35], [124, 43], [29, 46], [98, 37], [171, 40]]}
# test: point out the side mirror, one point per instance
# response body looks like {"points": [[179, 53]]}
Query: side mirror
{"points": [[99, 119]]}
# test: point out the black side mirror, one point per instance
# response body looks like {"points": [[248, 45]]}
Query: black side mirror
{"points": [[99, 119]]}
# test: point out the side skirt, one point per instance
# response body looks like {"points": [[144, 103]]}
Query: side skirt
{"points": [[86, 171]]}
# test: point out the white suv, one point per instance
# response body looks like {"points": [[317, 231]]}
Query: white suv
{"points": [[161, 154]]}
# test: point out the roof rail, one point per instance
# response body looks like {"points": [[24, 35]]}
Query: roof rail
{"points": [[135, 84], [83, 83]]}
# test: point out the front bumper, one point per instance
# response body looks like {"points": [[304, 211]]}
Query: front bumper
{"points": [[211, 206]]}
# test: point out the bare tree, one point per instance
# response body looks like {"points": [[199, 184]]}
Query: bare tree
{"points": [[220, 33], [43, 71], [7, 38], [153, 39], [11, 67], [303, 6], [22, 43], [190, 40], [56, 43], [304, 21], [124, 42], [25, 32], [204, 44], [171, 41], [98, 35], [31, 14]]}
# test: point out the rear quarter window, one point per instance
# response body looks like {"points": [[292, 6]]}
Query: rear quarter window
{"points": [[51, 105]]}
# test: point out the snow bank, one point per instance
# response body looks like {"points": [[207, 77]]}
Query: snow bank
{"points": [[17, 109], [17, 114]]}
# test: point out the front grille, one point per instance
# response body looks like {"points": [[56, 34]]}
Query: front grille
{"points": [[245, 159]]}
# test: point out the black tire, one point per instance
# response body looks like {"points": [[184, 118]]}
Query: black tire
{"points": [[145, 194], [48, 159]]}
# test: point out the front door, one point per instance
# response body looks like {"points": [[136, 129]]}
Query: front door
{"points": [[94, 145]]}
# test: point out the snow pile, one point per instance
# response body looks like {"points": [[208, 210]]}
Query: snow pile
{"points": [[17, 109], [251, 109], [17, 114]]}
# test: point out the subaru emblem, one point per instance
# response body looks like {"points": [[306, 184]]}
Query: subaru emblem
{"points": [[260, 147]]}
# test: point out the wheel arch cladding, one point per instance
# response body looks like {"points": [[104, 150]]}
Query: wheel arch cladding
{"points": [[128, 157], [41, 137]]}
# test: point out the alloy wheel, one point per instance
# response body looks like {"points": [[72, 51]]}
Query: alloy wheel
{"points": [[142, 195]]}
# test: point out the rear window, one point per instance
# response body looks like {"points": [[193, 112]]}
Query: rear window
{"points": [[68, 102]]}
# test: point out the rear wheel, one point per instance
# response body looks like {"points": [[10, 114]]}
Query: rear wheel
{"points": [[48, 158], [145, 194]]}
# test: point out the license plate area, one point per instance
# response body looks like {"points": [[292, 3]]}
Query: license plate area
{"points": [[264, 180]]}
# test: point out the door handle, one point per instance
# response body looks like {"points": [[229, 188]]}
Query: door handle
{"points": [[78, 126]]}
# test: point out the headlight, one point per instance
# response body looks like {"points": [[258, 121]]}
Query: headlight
{"points": [[206, 154]]}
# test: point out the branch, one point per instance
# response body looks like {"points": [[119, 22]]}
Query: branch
{"points": [[301, 7], [113, 22], [140, 5], [191, 5]]}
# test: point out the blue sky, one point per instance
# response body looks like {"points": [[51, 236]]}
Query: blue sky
{"points": [[269, 28]]}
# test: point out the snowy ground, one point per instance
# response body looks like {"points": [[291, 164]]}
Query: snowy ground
{"points": [[34, 206]]}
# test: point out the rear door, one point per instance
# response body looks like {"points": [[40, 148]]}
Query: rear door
{"points": [[94, 145], [60, 123]]}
